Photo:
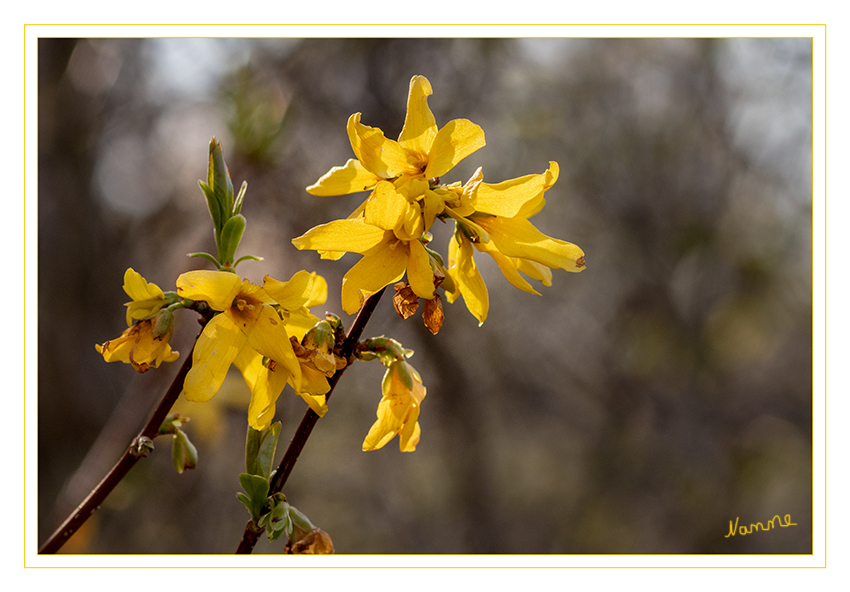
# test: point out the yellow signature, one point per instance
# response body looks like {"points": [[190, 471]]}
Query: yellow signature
{"points": [[744, 530]]}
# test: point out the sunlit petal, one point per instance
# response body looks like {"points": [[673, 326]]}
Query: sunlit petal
{"points": [[509, 198], [383, 157], [341, 180], [454, 142], [385, 207], [350, 236], [217, 288], [419, 272], [419, 124], [372, 273], [469, 280], [509, 269], [517, 237], [303, 289]]}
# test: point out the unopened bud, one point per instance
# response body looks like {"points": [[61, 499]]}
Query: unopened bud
{"points": [[184, 455]]}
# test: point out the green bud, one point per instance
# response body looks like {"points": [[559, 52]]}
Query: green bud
{"points": [[142, 446], [277, 521], [163, 323], [301, 524], [184, 455], [320, 336], [218, 179]]}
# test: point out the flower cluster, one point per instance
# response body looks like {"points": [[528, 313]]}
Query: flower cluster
{"points": [[391, 227]]}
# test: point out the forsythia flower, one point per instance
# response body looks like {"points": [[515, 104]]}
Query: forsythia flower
{"points": [[398, 410], [253, 325], [145, 344], [496, 223], [139, 347], [148, 298], [388, 228]]}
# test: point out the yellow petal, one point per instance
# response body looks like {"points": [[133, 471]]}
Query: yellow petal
{"points": [[264, 395], [509, 198], [303, 289], [419, 272], [215, 350], [517, 237], [383, 157], [138, 287], [385, 207], [508, 267], [454, 142], [372, 273], [391, 413], [269, 337], [420, 127], [341, 180], [314, 387], [250, 363], [217, 288], [148, 298], [350, 236], [534, 270], [299, 322], [469, 281]]}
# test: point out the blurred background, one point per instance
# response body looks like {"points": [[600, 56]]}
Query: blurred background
{"points": [[636, 407]]}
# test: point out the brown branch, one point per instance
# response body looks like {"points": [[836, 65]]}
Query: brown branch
{"points": [[121, 468], [290, 457]]}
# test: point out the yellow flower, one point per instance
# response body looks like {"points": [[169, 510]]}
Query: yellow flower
{"points": [[499, 226], [253, 332], [148, 298], [422, 151], [139, 347], [385, 240], [398, 410], [294, 298], [404, 202]]}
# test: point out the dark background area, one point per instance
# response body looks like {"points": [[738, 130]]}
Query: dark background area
{"points": [[636, 407]]}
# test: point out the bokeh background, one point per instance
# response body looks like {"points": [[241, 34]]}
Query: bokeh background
{"points": [[636, 407]]}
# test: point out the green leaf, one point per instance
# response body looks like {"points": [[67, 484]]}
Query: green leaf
{"points": [[208, 257], [214, 207], [257, 490], [260, 446], [237, 203], [246, 258], [231, 235]]}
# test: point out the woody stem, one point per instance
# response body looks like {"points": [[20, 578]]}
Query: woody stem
{"points": [[132, 454], [299, 439]]}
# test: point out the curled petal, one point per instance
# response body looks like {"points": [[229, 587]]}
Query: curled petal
{"points": [[508, 267], [383, 157], [420, 127], [511, 198], [469, 282], [303, 289], [517, 237], [342, 180]]}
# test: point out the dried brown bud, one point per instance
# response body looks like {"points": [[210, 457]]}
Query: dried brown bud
{"points": [[315, 542], [433, 314], [405, 300]]}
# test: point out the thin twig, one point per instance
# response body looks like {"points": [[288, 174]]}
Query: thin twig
{"points": [[290, 457], [121, 468]]}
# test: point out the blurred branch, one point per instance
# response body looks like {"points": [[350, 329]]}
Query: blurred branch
{"points": [[132, 454], [305, 428]]}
